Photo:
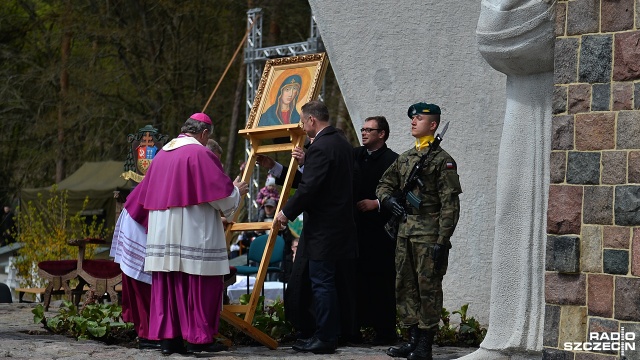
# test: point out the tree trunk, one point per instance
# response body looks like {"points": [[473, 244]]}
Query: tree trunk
{"points": [[65, 50]]}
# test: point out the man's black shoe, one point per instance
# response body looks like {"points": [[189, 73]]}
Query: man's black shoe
{"points": [[149, 344], [317, 346], [403, 350], [170, 346], [423, 350], [302, 342], [210, 347]]}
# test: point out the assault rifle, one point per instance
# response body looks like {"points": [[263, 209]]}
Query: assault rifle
{"points": [[406, 196]]}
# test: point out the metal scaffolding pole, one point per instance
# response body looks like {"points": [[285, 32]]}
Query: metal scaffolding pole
{"points": [[254, 57]]}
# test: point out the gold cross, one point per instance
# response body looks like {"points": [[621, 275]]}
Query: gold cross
{"points": [[147, 140]]}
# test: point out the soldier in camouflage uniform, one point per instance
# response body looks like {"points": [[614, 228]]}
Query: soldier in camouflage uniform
{"points": [[423, 239]]}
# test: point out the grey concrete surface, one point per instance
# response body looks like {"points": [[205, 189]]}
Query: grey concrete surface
{"points": [[20, 338]]}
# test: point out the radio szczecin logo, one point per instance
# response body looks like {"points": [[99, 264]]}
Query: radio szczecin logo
{"points": [[612, 341]]}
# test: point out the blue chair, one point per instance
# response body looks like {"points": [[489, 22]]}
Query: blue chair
{"points": [[256, 250]]}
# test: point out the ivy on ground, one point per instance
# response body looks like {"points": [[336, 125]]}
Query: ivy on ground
{"points": [[92, 321]]}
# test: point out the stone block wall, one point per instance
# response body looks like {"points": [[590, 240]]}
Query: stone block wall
{"points": [[592, 281]]}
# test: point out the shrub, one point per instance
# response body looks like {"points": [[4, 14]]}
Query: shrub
{"points": [[45, 231], [468, 333]]}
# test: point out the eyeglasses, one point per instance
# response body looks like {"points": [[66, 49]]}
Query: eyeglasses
{"points": [[368, 130]]}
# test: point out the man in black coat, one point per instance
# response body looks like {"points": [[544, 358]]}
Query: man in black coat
{"points": [[375, 265], [325, 195], [298, 298]]}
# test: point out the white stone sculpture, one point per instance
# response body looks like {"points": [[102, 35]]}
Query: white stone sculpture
{"points": [[516, 37]]}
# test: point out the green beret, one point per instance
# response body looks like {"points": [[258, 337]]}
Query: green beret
{"points": [[423, 108]]}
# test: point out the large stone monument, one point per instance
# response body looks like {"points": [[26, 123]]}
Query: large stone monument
{"points": [[516, 37]]}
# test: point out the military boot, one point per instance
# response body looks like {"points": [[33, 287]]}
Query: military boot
{"points": [[423, 350], [405, 349]]}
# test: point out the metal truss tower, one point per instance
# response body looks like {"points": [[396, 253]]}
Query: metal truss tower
{"points": [[254, 57]]}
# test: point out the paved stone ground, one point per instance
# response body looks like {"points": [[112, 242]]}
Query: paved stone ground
{"points": [[20, 338]]}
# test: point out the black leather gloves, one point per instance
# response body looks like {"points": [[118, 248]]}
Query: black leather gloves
{"points": [[393, 206], [440, 255]]}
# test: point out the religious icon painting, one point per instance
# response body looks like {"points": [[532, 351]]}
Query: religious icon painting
{"points": [[286, 85]]}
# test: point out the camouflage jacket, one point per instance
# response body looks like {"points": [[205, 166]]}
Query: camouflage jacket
{"points": [[440, 208]]}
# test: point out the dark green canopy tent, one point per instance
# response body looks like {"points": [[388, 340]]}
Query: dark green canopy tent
{"points": [[97, 180]]}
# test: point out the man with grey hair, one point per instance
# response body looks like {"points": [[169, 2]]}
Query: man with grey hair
{"points": [[329, 229], [186, 191]]}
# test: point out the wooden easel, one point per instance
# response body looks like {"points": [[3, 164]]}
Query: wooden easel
{"points": [[256, 138]]}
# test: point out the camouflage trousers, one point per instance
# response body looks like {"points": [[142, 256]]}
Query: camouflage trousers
{"points": [[418, 284]]}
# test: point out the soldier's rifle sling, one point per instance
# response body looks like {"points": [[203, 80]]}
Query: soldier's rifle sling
{"points": [[414, 176]]}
